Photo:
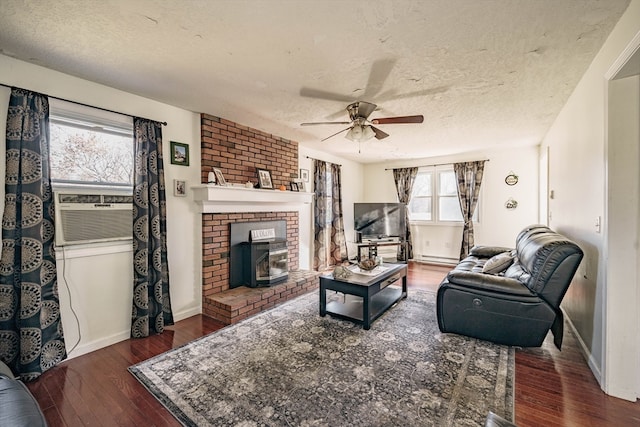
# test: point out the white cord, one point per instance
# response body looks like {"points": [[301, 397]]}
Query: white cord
{"points": [[66, 284]]}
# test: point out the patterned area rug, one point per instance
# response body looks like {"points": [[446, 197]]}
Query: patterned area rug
{"points": [[291, 367]]}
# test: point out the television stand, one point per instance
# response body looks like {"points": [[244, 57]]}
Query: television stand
{"points": [[371, 246]]}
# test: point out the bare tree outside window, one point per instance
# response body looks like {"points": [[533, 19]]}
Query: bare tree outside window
{"points": [[90, 156]]}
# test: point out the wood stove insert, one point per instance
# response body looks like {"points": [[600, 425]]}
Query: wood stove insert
{"points": [[249, 242], [266, 262]]}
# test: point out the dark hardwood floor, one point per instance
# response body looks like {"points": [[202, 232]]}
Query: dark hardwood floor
{"points": [[553, 388]]}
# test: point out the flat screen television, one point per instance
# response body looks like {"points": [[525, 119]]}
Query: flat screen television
{"points": [[379, 220]]}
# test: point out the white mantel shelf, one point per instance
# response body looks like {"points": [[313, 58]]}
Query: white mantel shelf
{"points": [[218, 199]]}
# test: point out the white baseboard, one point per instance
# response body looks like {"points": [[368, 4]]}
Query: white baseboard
{"points": [[123, 335], [181, 315], [626, 394], [98, 344], [595, 369]]}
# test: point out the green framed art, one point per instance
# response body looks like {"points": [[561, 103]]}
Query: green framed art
{"points": [[179, 154]]}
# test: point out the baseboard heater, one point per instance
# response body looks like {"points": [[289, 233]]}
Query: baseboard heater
{"points": [[432, 259]]}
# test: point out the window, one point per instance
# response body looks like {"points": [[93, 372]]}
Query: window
{"points": [[90, 147], [421, 204], [91, 155], [435, 197], [448, 203]]}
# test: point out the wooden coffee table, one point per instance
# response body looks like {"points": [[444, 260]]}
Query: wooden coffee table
{"points": [[375, 290]]}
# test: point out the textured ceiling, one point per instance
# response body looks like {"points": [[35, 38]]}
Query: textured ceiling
{"points": [[485, 74]]}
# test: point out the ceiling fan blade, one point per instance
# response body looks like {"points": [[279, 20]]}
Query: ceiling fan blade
{"points": [[323, 94], [365, 109], [391, 95], [337, 133], [324, 123], [379, 134], [396, 120], [335, 115], [380, 70]]}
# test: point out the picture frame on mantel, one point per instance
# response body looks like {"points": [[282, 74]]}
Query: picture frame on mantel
{"points": [[179, 153], [264, 179], [219, 177], [302, 186]]}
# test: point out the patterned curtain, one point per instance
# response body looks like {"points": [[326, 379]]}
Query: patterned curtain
{"points": [[31, 338], [151, 302], [469, 176], [330, 245], [404, 179]]}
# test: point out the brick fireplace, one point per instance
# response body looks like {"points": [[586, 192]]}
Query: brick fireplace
{"points": [[215, 245], [238, 151]]}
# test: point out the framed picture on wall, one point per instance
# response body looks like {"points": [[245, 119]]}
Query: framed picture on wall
{"points": [[179, 153], [179, 188], [304, 175], [264, 178]]}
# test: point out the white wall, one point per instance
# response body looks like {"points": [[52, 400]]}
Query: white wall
{"points": [[100, 281], [497, 225], [577, 146]]}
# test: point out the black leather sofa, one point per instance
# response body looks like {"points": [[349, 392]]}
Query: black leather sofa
{"points": [[18, 407], [510, 296]]}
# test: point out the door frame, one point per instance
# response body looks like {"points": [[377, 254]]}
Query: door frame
{"points": [[621, 317]]}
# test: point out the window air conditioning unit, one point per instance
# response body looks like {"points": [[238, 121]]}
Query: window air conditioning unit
{"points": [[90, 218]]}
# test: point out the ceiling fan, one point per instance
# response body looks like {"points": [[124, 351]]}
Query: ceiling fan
{"points": [[360, 127]]}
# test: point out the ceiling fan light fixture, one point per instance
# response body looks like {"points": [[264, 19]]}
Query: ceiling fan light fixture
{"points": [[360, 133], [355, 133], [368, 133], [360, 127]]}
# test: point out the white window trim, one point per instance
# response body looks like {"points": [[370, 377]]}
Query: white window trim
{"points": [[70, 112]]}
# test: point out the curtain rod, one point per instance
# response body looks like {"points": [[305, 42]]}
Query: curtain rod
{"points": [[438, 164], [323, 161], [86, 105]]}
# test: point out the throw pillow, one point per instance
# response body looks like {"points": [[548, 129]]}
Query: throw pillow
{"points": [[498, 263]]}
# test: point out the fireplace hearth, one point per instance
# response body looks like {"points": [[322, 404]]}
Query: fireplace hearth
{"points": [[225, 296]]}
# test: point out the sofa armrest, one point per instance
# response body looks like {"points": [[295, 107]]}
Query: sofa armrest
{"points": [[18, 407], [487, 251], [488, 282]]}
